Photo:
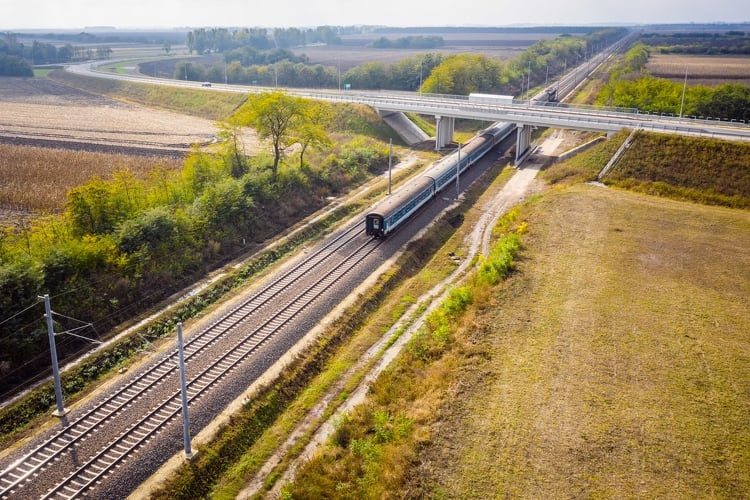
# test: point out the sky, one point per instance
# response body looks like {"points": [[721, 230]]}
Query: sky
{"points": [[78, 14]]}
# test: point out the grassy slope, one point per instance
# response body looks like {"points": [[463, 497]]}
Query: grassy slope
{"points": [[205, 103], [616, 362]]}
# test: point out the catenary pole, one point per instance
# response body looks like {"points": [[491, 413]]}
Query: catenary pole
{"points": [[458, 169], [390, 162], [183, 391], [53, 350]]}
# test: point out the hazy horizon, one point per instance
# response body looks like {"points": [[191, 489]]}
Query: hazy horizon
{"points": [[176, 14]]}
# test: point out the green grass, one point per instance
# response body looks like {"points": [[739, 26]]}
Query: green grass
{"points": [[42, 73], [709, 171], [199, 102], [586, 166], [394, 305]]}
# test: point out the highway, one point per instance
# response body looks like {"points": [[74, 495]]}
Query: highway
{"points": [[521, 112]]}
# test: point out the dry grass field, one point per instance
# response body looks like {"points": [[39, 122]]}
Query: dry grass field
{"points": [[706, 70], [38, 178], [613, 365]]}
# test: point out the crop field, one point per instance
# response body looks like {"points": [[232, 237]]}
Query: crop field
{"points": [[82, 135], [41, 111], [355, 49], [706, 70], [38, 178]]}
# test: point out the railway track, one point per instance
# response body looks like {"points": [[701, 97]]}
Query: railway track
{"points": [[328, 267]]}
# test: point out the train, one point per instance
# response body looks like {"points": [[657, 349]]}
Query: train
{"points": [[389, 214]]}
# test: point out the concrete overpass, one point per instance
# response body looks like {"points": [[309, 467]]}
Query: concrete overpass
{"points": [[526, 114]]}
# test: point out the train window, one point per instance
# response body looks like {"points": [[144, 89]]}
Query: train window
{"points": [[375, 224]]}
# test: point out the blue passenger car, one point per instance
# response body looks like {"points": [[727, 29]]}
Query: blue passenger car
{"points": [[395, 209]]}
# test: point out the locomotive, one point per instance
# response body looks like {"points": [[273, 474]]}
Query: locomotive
{"points": [[386, 216]]}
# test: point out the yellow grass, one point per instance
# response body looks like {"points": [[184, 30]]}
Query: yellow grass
{"points": [[613, 365], [35, 178]]}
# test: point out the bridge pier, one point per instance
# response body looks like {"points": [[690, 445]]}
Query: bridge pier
{"points": [[523, 141], [444, 135]]}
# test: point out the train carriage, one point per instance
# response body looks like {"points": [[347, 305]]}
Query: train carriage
{"points": [[387, 215], [394, 210]]}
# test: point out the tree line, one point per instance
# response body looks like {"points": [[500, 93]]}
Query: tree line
{"points": [[205, 40], [632, 86], [17, 59], [409, 42], [730, 42], [123, 244], [459, 74]]}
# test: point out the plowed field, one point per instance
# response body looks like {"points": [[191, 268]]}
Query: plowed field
{"points": [[43, 112]]}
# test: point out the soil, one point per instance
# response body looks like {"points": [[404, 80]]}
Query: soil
{"points": [[43, 112]]}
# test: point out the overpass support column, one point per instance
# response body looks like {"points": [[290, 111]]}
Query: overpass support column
{"points": [[523, 141], [444, 134]]}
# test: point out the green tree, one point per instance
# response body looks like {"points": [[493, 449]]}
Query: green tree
{"points": [[232, 149], [155, 228], [729, 101], [93, 209], [275, 116], [311, 130], [463, 74]]}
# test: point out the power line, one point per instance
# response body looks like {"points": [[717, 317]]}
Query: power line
{"points": [[20, 312]]}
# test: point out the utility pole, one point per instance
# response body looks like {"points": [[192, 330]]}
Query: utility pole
{"points": [[528, 86], [458, 170], [183, 392], [390, 161], [53, 350], [420, 74], [684, 87]]}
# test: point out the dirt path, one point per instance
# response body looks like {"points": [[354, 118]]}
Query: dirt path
{"points": [[514, 191]]}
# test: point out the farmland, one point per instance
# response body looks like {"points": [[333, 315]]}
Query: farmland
{"points": [[37, 178], [705, 70], [38, 111], [356, 49], [610, 364], [54, 137]]}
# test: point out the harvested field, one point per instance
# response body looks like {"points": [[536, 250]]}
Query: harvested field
{"points": [[355, 49], [54, 137], [705, 70], [44, 112]]}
